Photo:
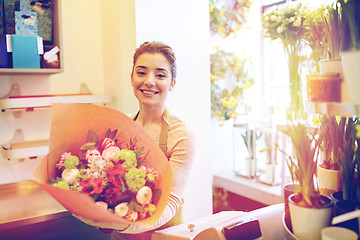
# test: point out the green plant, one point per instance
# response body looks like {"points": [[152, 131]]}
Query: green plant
{"points": [[348, 158], [286, 23], [250, 137], [302, 165], [333, 29], [351, 23], [315, 35], [331, 140]]}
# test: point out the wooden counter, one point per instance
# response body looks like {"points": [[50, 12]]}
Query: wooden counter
{"points": [[26, 202]]}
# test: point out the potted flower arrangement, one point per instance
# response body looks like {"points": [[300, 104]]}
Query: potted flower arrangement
{"points": [[350, 55], [307, 206], [331, 138], [286, 23]]}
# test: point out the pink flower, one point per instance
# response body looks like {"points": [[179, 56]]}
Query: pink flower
{"points": [[64, 156], [132, 217], [109, 153], [108, 142], [92, 155]]}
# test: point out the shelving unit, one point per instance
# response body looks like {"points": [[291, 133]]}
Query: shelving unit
{"points": [[17, 147], [334, 108], [57, 41]]}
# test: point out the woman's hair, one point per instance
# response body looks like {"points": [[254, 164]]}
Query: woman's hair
{"points": [[157, 47]]}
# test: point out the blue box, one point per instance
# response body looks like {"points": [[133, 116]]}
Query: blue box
{"points": [[25, 51]]}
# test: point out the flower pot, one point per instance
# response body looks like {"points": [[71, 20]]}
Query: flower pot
{"points": [[329, 180], [324, 87], [288, 190], [334, 66], [307, 222], [350, 64], [345, 206]]}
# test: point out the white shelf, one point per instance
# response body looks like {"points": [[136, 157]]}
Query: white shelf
{"points": [[25, 103], [23, 150], [249, 188], [334, 108]]}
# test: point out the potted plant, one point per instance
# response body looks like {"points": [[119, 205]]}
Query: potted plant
{"points": [[349, 156], [309, 210], [331, 140], [250, 138], [272, 166], [350, 54]]}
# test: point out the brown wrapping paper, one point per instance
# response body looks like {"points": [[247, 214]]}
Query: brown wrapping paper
{"points": [[69, 128]]}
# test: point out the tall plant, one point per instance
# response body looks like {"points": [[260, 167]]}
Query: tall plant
{"points": [[334, 31], [302, 165], [286, 23]]}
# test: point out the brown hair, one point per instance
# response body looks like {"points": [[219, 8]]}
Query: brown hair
{"points": [[157, 47]]}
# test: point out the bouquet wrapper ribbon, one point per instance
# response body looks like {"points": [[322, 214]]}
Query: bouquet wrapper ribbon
{"points": [[69, 128]]}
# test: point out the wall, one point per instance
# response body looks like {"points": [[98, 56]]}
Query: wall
{"points": [[184, 25]]}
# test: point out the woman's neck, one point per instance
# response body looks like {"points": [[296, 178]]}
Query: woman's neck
{"points": [[150, 115]]}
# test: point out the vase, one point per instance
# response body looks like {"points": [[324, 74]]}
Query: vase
{"points": [[296, 110], [307, 222], [350, 61], [329, 180]]}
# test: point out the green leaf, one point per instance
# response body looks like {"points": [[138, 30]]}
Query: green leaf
{"points": [[88, 146], [156, 195], [113, 134], [92, 136], [139, 152]]}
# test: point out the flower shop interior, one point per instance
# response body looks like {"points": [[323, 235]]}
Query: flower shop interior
{"points": [[270, 88]]}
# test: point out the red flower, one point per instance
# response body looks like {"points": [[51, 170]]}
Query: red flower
{"points": [[92, 185], [115, 174]]}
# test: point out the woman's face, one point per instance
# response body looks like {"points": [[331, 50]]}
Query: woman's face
{"points": [[151, 79]]}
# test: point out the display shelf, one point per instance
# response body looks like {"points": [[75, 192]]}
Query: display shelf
{"points": [[27, 103], [334, 108], [249, 188], [57, 41], [21, 150]]}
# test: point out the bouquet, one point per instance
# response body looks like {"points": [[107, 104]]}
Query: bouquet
{"points": [[120, 177], [115, 176]]}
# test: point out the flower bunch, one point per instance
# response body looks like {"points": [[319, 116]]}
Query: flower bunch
{"points": [[286, 22], [229, 78], [115, 176], [226, 17]]}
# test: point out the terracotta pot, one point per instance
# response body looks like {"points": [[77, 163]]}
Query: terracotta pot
{"points": [[334, 66], [329, 180], [307, 222], [350, 64]]}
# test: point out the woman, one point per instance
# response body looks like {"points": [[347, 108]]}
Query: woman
{"points": [[152, 78]]}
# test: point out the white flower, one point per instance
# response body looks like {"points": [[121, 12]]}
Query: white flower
{"points": [[292, 19], [122, 209], [144, 195], [273, 18], [69, 175], [280, 29], [297, 22]]}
